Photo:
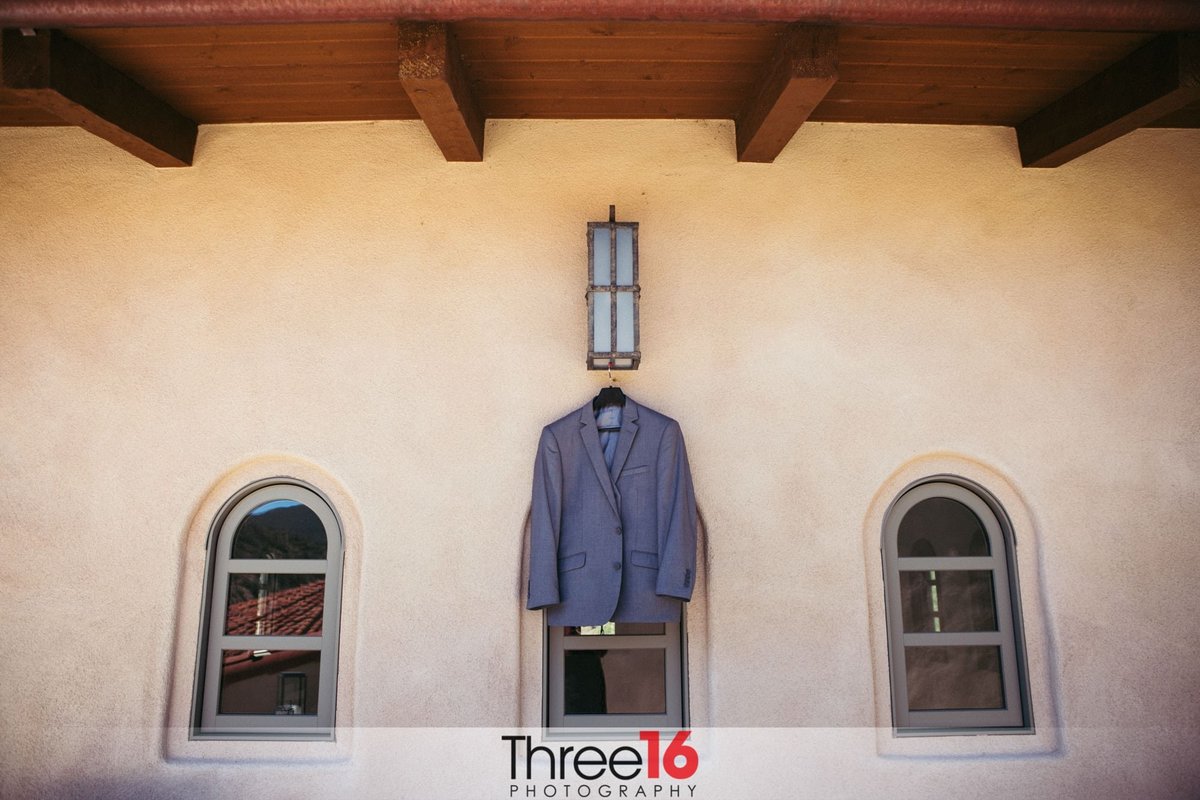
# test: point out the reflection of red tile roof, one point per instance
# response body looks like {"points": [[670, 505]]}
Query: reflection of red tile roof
{"points": [[291, 612]]}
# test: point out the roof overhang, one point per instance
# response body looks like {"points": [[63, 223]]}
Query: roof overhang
{"points": [[1093, 15]]}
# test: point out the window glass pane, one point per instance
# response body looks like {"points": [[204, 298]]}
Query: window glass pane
{"points": [[615, 681], [619, 629], [941, 527], [280, 529], [275, 605], [269, 681], [948, 601], [943, 678]]}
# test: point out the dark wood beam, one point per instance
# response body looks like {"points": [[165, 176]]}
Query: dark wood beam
{"points": [[433, 75], [1161, 77], [801, 72], [63, 77]]}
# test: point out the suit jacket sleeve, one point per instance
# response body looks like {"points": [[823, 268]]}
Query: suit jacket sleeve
{"points": [[678, 519], [545, 523]]}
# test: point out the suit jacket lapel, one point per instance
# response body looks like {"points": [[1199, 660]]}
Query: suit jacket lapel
{"points": [[629, 429], [591, 444]]}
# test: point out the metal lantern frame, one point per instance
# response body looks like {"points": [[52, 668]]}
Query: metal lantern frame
{"points": [[613, 358]]}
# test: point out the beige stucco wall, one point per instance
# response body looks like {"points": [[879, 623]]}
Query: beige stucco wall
{"points": [[402, 327]]}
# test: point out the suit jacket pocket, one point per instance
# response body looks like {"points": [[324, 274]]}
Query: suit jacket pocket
{"points": [[641, 558], [631, 471], [571, 562]]}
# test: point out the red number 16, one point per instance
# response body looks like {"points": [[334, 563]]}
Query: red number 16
{"points": [[677, 749]]}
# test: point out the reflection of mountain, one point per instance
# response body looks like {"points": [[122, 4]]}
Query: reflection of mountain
{"points": [[296, 611], [291, 531]]}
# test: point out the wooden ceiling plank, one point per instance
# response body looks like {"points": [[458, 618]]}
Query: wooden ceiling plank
{"points": [[1159, 78], [955, 54], [213, 110], [800, 74], [252, 55], [915, 113], [432, 73], [1060, 39], [162, 81], [210, 108], [120, 38], [240, 115], [617, 49], [621, 108], [311, 92], [583, 69], [615, 92], [66, 79], [874, 117], [474, 29], [1016, 77], [938, 93], [886, 107]]}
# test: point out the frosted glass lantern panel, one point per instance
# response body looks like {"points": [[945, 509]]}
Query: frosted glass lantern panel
{"points": [[601, 251], [624, 256], [602, 322], [624, 322]]}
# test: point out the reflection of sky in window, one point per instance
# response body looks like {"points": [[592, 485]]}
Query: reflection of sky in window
{"points": [[273, 505]]}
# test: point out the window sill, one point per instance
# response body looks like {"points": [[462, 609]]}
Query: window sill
{"points": [[253, 736], [913, 733], [978, 743], [182, 746]]}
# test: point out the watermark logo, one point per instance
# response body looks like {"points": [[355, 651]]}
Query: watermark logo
{"points": [[622, 772]]}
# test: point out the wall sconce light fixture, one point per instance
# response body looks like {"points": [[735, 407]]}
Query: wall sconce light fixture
{"points": [[613, 294]]}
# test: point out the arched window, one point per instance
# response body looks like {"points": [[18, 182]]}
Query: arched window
{"points": [[953, 613], [268, 657]]}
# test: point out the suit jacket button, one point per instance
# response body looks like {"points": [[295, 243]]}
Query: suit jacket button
{"points": [[617, 566], [617, 530]]}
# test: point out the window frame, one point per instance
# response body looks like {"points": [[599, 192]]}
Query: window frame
{"points": [[1016, 715], [673, 640], [206, 721]]}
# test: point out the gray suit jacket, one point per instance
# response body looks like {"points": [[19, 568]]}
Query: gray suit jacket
{"points": [[612, 545]]}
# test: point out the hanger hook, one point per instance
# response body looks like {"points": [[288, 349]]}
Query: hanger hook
{"points": [[611, 379]]}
